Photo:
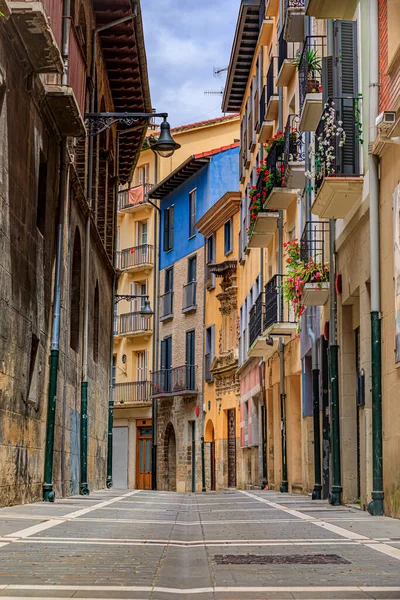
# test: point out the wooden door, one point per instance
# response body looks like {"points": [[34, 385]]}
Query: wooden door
{"points": [[212, 461], [231, 447], [143, 456]]}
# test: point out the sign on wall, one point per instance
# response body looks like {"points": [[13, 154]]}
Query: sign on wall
{"points": [[396, 231]]}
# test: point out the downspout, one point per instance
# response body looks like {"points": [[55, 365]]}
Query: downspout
{"points": [[203, 374], [262, 386], [335, 496], [376, 506], [316, 494], [84, 484], [109, 480], [157, 246], [282, 391], [48, 492]]}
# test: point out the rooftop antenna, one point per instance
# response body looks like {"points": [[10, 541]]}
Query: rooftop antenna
{"points": [[216, 73]]}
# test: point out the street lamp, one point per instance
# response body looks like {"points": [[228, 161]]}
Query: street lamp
{"points": [[145, 311], [165, 146]]}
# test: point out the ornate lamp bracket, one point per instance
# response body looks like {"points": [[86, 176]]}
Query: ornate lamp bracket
{"points": [[98, 122]]}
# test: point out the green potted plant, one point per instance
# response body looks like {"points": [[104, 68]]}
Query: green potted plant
{"points": [[314, 69]]}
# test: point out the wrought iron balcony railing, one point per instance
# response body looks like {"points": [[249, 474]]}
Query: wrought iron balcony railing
{"points": [[256, 319], [189, 296], [134, 196], [337, 140], [293, 148], [133, 322], [208, 360], [167, 305], [275, 167], [136, 392], [135, 256], [294, 4], [176, 381], [277, 309], [314, 242], [310, 66]]}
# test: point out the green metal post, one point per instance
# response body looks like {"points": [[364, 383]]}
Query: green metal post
{"points": [[336, 494], [285, 484], [203, 467], [316, 494], [376, 506], [48, 493], [84, 487]]}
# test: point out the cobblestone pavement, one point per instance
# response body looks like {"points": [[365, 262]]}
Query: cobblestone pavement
{"points": [[235, 545]]}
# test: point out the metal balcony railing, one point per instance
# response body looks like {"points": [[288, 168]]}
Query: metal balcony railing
{"points": [[263, 104], [134, 196], [189, 295], [293, 146], [294, 4], [277, 309], [285, 50], [134, 322], [272, 90], [135, 256], [167, 304], [338, 139], [136, 392], [314, 242], [275, 166], [256, 319], [179, 380], [310, 66], [208, 360]]}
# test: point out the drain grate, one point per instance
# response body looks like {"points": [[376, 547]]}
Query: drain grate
{"points": [[280, 559]]}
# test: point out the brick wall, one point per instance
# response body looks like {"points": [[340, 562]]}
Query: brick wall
{"points": [[389, 83]]}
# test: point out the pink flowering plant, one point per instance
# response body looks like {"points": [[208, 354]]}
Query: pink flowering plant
{"points": [[298, 274]]}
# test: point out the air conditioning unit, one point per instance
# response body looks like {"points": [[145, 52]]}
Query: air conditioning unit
{"points": [[386, 120]]}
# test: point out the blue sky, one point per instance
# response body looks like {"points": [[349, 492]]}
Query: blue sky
{"points": [[184, 40]]}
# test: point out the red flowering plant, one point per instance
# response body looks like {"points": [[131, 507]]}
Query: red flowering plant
{"points": [[298, 274], [257, 199], [277, 139]]}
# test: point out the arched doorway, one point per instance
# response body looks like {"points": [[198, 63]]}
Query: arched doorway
{"points": [[170, 458], [209, 438]]}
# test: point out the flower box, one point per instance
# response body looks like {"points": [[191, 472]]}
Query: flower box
{"points": [[316, 294]]}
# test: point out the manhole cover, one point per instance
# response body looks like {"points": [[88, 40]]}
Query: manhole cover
{"points": [[280, 559]]}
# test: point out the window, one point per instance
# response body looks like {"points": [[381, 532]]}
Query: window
{"points": [[168, 229], [138, 289], [143, 174], [210, 343], [192, 265], [192, 213], [142, 233], [190, 360], [75, 306], [41, 195], [96, 317], [228, 237], [169, 280], [211, 248]]}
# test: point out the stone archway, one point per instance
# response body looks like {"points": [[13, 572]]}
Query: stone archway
{"points": [[170, 458]]}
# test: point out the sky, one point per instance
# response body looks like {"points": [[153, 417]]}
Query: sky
{"points": [[185, 40]]}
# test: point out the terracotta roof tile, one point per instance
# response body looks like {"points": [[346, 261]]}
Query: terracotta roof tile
{"points": [[217, 150], [204, 123]]}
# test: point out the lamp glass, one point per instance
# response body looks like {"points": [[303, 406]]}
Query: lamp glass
{"points": [[146, 311]]}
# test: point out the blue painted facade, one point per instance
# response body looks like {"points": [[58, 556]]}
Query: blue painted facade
{"points": [[219, 176]]}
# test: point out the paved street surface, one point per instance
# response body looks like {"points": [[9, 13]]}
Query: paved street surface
{"points": [[235, 545]]}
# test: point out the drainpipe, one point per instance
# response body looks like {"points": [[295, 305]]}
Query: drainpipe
{"points": [[263, 427], [316, 494], [376, 506], [335, 496], [84, 485], [203, 374], [284, 485], [48, 492], [157, 248]]}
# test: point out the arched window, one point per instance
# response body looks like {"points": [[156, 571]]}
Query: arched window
{"points": [[75, 307], [96, 323]]}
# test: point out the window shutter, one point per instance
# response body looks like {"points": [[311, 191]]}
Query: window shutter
{"points": [[212, 343], [171, 227], [166, 230], [164, 354], [327, 79], [346, 59]]}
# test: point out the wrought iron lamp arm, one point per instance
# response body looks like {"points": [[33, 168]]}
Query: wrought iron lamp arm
{"points": [[98, 122], [128, 297]]}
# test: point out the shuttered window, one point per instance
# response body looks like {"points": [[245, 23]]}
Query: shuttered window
{"points": [[192, 213], [168, 229]]}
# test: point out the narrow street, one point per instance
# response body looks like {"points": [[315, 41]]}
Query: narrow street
{"points": [[158, 545]]}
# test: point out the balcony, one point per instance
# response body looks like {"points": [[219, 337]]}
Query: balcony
{"points": [[279, 318], [326, 9], [167, 306], [134, 197], [310, 79], [262, 222], [294, 20], [132, 393], [286, 62], [338, 177], [266, 31], [294, 155], [278, 196], [136, 258], [272, 98], [39, 26], [189, 297], [258, 346], [208, 376], [133, 324], [67, 102], [314, 245], [266, 127], [179, 381]]}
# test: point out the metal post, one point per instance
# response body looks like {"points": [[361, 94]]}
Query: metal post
{"points": [[285, 484], [203, 467], [316, 494]]}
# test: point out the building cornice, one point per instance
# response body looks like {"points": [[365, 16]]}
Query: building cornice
{"points": [[227, 206]]}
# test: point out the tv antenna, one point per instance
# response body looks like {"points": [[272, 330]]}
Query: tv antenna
{"points": [[217, 71]]}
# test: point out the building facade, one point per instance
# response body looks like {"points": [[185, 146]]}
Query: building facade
{"points": [[177, 380], [57, 238], [138, 242]]}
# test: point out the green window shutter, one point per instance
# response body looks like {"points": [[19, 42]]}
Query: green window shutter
{"points": [[327, 79], [346, 58], [166, 230]]}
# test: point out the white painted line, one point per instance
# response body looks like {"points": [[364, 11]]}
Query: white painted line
{"points": [[350, 535]]}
